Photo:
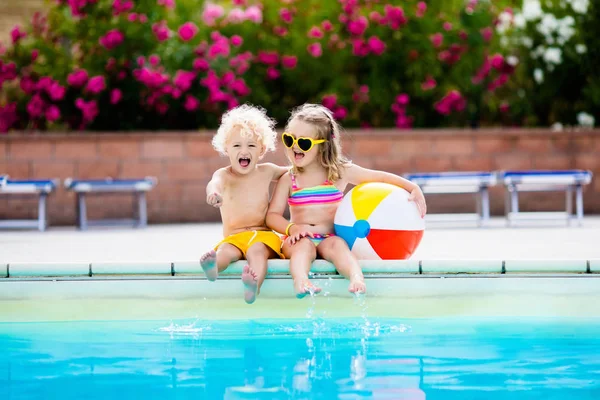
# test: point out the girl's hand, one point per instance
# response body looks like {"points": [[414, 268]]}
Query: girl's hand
{"points": [[214, 199], [419, 198], [292, 239]]}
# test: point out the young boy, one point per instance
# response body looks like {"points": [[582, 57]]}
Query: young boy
{"points": [[241, 192]]}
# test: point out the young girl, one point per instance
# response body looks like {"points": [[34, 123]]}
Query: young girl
{"points": [[313, 188]]}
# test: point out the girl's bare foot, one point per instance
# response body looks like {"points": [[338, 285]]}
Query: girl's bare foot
{"points": [[357, 284], [250, 284], [304, 287], [209, 264]]}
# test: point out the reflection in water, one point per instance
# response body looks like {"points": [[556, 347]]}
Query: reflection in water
{"points": [[312, 358]]}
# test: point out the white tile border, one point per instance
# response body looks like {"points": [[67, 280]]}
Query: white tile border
{"points": [[131, 268], [16, 270], [461, 266], [579, 266], [3, 271], [595, 265]]}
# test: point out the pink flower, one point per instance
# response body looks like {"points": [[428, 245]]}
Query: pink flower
{"points": [[112, 39], [280, 31], [377, 18], [77, 78], [239, 86], [201, 64], [315, 49], [167, 3], [360, 48], [227, 78], [497, 61], [327, 25], [191, 103], [143, 18], [315, 33], [96, 84], [187, 31], [421, 8], [140, 61], [286, 15], [89, 109], [161, 31], [359, 26], [254, 14], [162, 108], [56, 91], [8, 116], [447, 26], [272, 73], [132, 17], [183, 79], [376, 45], [36, 106], [237, 40], [436, 39], [453, 101], [154, 60], [219, 48], [403, 99], [289, 62], [270, 58], [121, 6], [504, 107], [340, 113], [429, 83], [34, 54], [17, 34], [27, 84], [329, 101], [52, 113], [404, 121], [363, 89], [115, 96], [236, 16], [211, 13], [487, 33], [498, 82], [395, 16]]}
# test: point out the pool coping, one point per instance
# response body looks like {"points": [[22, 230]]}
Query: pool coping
{"points": [[280, 268]]}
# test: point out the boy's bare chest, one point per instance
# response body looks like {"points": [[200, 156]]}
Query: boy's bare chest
{"points": [[247, 187]]}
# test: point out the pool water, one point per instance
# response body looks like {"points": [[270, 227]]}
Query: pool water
{"points": [[348, 358]]}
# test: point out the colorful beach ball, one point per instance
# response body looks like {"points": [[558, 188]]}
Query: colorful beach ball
{"points": [[379, 223]]}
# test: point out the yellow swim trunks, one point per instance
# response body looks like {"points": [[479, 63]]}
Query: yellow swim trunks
{"points": [[244, 240]]}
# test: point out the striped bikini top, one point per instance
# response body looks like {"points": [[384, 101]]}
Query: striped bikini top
{"points": [[323, 194]]}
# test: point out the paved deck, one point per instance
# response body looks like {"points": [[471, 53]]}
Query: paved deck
{"points": [[537, 240]]}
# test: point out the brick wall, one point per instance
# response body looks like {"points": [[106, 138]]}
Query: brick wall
{"points": [[184, 162], [13, 12]]}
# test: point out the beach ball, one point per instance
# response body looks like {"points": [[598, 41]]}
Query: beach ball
{"points": [[379, 223]]}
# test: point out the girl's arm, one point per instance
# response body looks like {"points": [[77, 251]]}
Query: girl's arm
{"points": [[277, 171], [357, 175], [275, 219]]}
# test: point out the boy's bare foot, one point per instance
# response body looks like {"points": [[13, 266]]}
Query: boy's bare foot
{"points": [[304, 287], [250, 284], [357, 284], [209, 264]]}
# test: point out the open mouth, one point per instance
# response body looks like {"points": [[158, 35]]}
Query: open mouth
{"points": [[244, 162], [298, 155]]}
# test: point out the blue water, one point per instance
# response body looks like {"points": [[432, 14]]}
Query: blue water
{"points": [[311, 358]]}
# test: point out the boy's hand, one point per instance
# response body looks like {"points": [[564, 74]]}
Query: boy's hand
{"points": [[214, 199], [419, 198]]}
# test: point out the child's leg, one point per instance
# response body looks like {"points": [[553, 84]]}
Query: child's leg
{"points": [[225, 255], [335, 250], [301, 256], [255, 272]]}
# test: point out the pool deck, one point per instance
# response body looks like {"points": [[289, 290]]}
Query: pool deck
{"points": [[541, 240]]}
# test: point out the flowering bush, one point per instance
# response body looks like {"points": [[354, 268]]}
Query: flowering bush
{"points": [[178, 64]]}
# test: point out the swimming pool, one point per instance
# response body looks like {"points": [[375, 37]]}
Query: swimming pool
{"points": [[479, 333]]}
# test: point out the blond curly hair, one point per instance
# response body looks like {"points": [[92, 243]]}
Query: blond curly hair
{"points": [[251, 120]]}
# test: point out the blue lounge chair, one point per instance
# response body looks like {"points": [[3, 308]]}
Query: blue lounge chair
{"points": [[27, 188], [568, 181], [476, 182], [136, 187]]}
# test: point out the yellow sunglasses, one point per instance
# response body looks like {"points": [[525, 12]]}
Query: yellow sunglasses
{"points": [[304, 143]]}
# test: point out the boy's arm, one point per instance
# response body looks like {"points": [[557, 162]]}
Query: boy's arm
{"points": [[275, 219], [214, 189], [357, 175]]}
